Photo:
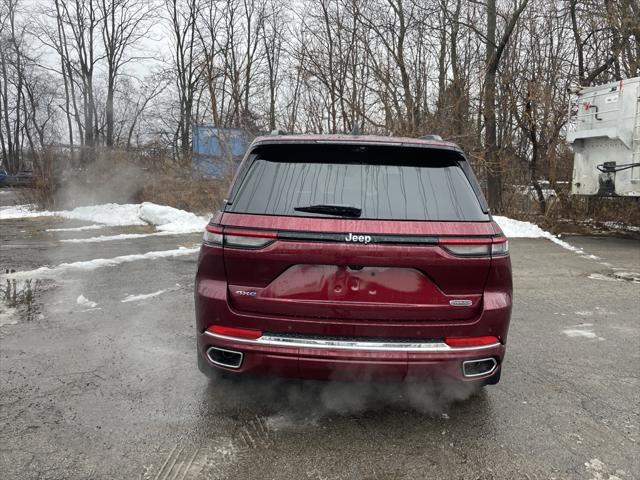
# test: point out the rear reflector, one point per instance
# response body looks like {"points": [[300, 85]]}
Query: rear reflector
{"points": [[458, 342], [235, 332]]}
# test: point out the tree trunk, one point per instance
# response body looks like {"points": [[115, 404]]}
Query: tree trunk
{"points": [[494, 170], [109, 110]]}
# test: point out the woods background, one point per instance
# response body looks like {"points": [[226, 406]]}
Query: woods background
{"points": [[118, 82]]}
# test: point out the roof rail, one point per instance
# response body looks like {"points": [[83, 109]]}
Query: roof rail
{"points": [[437, 138]]}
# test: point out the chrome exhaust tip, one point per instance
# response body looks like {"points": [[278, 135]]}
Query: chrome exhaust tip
{"points": [[480, 367], [224, 358]]}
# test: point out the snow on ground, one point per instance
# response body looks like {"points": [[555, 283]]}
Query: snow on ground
{"points": [[22, 211], [167, 219], [88, 265], [518, 229], [581, 331], [108, 214], [606, 278], [108, 238], [85, 302], [622, 226], [144, 296], [76, 229]]}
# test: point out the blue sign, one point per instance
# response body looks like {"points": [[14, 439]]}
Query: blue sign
{"points": [[215, 149]]}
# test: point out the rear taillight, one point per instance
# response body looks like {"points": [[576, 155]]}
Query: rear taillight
{"points": [[500, 246], [237, 238], [475, 247], [212, 235], [246, 333], [467, 342], [467, 247], [248, 238]]}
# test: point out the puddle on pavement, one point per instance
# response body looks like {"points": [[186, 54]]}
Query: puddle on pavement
{"points": [[21, 296]]}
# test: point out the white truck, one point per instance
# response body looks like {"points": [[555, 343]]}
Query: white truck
{"points": [[604, 131]]}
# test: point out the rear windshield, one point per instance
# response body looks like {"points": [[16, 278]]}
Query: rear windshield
{"points": [[422, 186]]}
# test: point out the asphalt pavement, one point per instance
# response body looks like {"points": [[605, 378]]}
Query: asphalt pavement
{"points": [[112, 390]]}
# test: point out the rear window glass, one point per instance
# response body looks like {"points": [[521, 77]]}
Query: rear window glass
{"points": [[437, 189]]}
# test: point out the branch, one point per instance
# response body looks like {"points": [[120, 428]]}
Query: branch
{"points": [[507, 33], [592, 76]]}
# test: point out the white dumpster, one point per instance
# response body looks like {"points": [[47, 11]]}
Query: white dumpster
{"points": [[604, 131]]}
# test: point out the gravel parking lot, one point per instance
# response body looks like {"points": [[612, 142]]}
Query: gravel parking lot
{"points": [[110, 389]]}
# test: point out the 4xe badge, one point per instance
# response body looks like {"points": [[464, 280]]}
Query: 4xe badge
{"points": [[246, 293], [358, 238], [460, 303]]}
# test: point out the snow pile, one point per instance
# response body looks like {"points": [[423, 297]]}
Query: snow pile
{"points": [[517, 229], [85, 302], [112, 214], [169, 219], [164, 218]]}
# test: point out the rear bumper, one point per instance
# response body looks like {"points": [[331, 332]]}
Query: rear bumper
{"points": [[303, 359], [357, 363]]}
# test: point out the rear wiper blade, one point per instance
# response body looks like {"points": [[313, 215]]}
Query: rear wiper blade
{"points": [[339, 210]]}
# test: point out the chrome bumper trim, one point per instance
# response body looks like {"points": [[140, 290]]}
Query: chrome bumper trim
{"points": [[275, 340]]}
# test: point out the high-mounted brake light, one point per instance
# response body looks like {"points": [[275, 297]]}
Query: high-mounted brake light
{"points": [[237, 238], [460, 342], [246, 333]]}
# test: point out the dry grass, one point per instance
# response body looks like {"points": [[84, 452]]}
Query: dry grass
{"points": [[570, 214], [200, 195], [102, 176]]}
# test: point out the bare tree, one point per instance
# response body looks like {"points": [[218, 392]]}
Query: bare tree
{"points": [[124, 23], [272, 44], [494, 52], [80, 18], [182, 16]]}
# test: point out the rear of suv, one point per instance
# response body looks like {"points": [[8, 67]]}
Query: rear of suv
{"points": [[354, 258]]}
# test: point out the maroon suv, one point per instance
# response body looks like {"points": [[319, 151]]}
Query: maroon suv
{"points": [[354, 258]]}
